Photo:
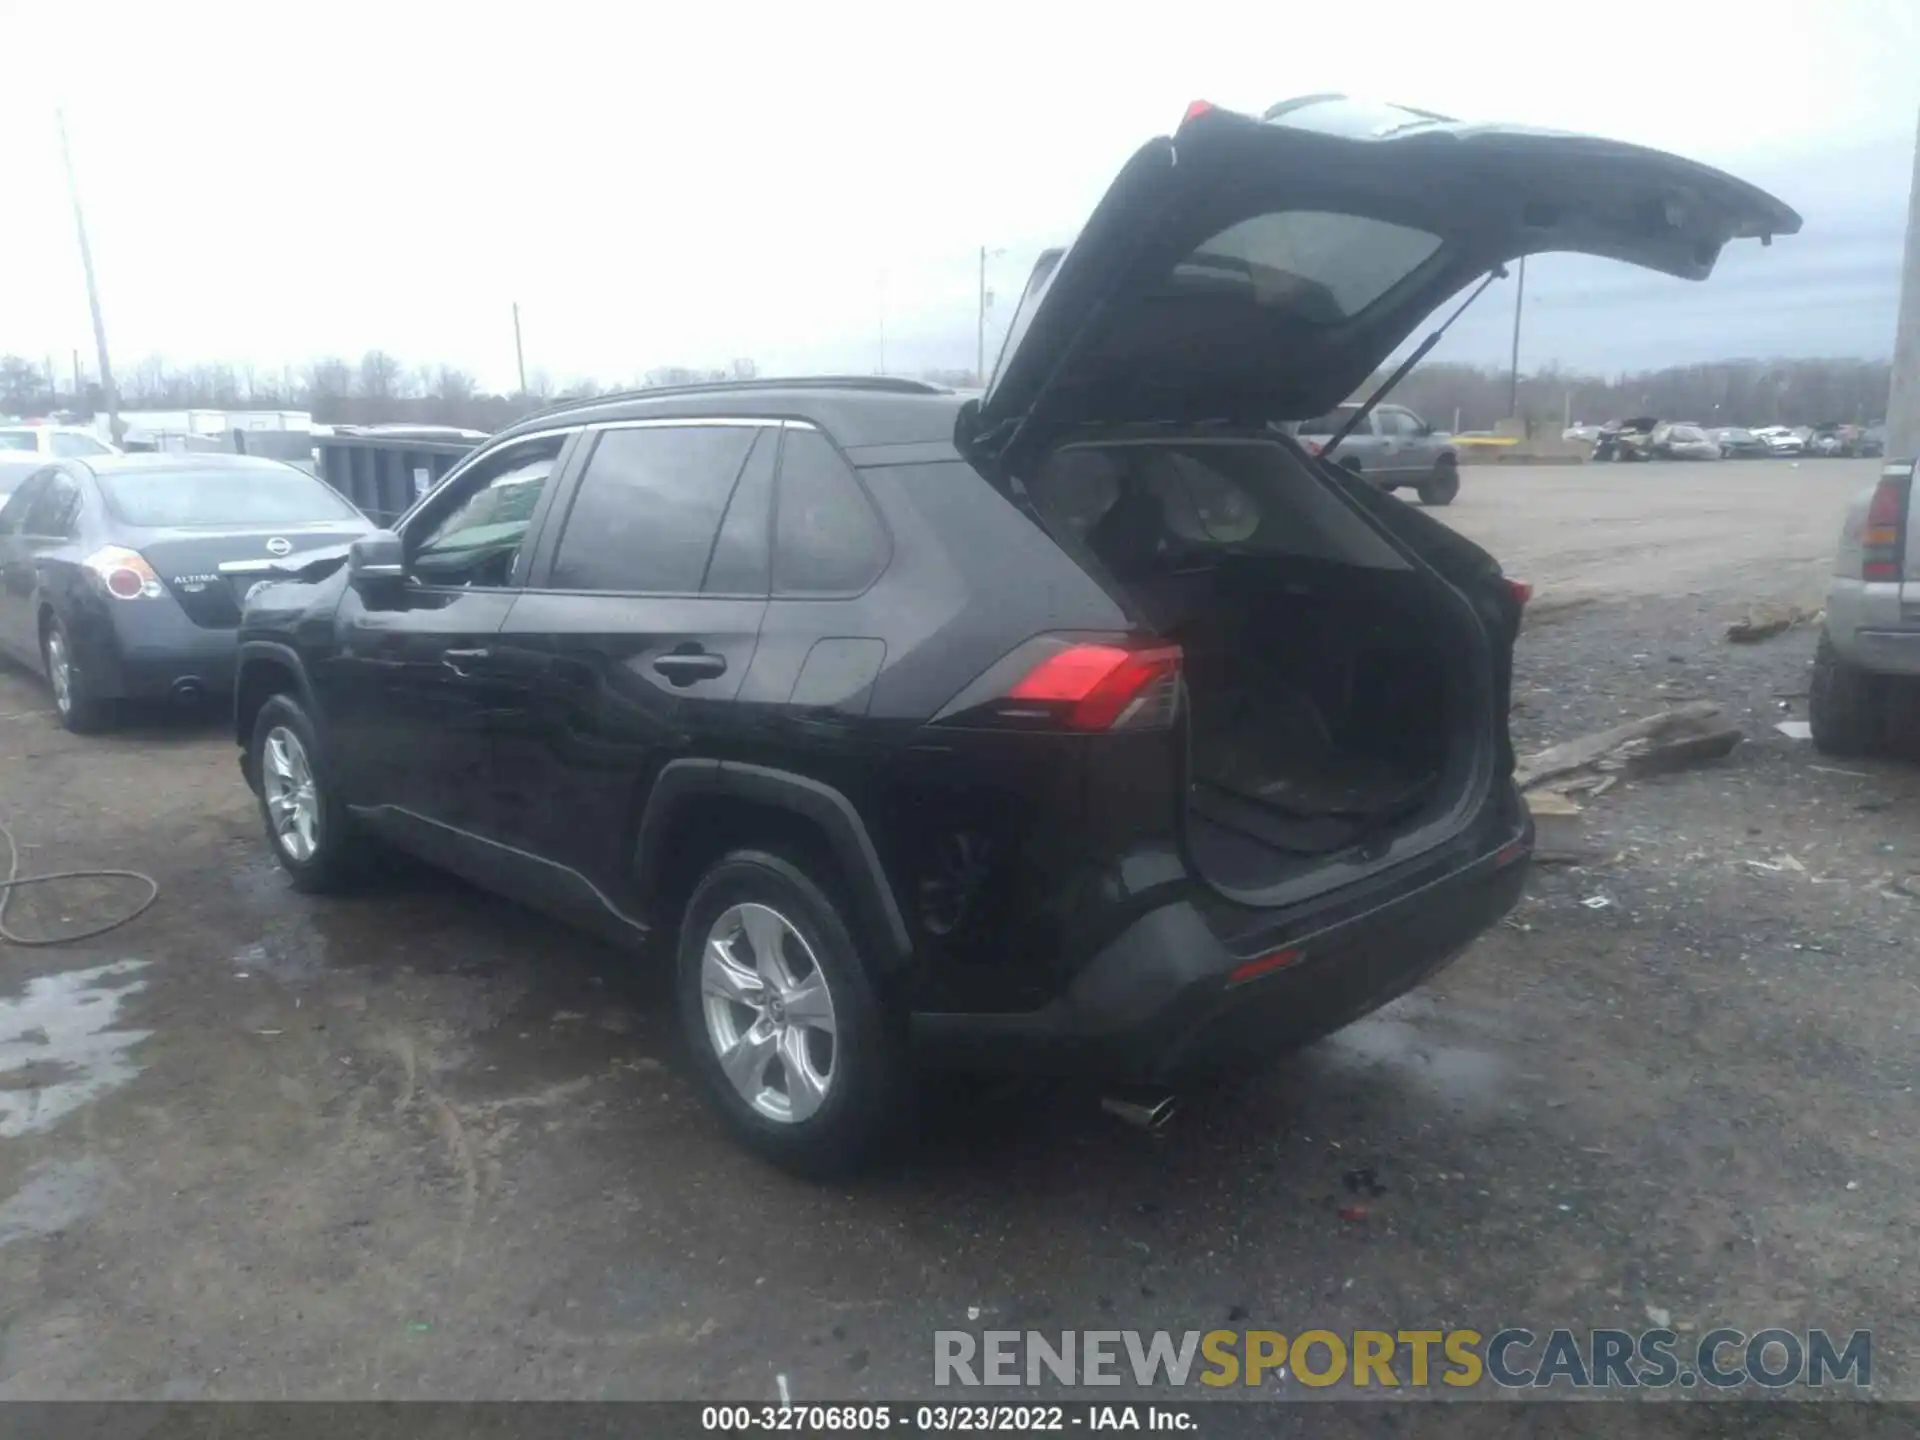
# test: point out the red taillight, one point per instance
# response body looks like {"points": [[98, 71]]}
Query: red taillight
{"points": [[1196, 110], [1104, 687], [125, 573], [1522, 590], [1264, 965], [1884, 535]]}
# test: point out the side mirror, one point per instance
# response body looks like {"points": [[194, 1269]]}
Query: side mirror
{"points": [[377, 564]]}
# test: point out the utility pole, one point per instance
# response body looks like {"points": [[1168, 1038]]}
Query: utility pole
{"points": [[980, 349], [93, 290], [76, 377], [1903, 395], [883, 322], [519, 351], [1513, 377]]}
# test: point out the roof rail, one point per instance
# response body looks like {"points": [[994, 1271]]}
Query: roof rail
{"points": [[879, 384]]}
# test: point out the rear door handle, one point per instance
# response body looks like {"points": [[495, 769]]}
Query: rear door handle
{"points": [[684, 668], [464, 662]]}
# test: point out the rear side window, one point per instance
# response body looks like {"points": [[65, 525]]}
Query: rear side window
{"points": [[67, 445], [55, 508], [827, 540], [13, 515], [19, 440], [649, 508], [1321, 266]]}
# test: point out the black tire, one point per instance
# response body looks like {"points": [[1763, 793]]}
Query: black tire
{"points": [[1846, 705], [1443, 486], [869, 1096], [81, 712], [342, 852]]}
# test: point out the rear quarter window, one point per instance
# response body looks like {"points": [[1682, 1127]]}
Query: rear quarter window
{"points": [[827, 539]]}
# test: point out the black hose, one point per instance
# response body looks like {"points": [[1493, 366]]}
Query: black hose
{"points": [[16, 881]]}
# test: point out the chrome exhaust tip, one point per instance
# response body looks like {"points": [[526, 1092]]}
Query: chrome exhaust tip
{"points": [[1149, 1111]]}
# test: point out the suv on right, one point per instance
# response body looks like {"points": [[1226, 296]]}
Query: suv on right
{"points": [[1087, 725], [1869, 648]]}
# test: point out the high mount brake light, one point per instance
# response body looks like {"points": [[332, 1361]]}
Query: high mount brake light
{"points": [[125, 573], [1196, 110], [1883, 538]]}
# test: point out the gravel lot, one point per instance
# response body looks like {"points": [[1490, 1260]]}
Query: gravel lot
{"points": [[423, 1143]]}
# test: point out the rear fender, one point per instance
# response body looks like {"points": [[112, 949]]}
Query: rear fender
{"points": [[684, 783]]}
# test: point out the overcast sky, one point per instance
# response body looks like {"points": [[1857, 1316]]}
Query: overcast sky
{"points": [[267, 183]]}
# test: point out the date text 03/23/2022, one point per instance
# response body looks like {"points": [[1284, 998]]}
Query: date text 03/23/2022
{"points": [[945, 1419]]}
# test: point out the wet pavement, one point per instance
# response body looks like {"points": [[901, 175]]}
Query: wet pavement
{"points": [[423, 1143]]}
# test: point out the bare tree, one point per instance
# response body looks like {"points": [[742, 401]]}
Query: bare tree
{"points": [[380, 377]]}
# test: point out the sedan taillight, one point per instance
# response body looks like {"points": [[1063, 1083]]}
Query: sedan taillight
{"points": [[124, 574]]}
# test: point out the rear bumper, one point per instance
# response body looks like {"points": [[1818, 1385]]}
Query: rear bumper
{"points": [[150, 650], [1159, 1002], [1872, 627]]}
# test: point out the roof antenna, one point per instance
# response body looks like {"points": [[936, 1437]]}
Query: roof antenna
{"points": [[1499, 272]]}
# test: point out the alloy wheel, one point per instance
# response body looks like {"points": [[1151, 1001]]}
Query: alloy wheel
{"points": [[293, 802], [769, 1012], [60, 672]]}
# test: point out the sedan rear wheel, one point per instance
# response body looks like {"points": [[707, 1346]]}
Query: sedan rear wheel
{"points": [[78, 710]]}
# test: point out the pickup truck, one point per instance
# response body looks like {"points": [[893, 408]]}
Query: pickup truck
{"points": [[1392, 447]]}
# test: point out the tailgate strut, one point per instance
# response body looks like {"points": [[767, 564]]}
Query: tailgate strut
{"points": [[1499, 272]]}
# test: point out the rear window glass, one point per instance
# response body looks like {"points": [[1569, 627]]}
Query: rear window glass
{"points": [[222, 497], [1323, 266]]}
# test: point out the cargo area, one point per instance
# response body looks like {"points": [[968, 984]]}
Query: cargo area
{"points": [[1330, 709]]}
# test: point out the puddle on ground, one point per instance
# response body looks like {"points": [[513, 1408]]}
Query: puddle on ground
{"points": [[58, 1050], [1461, 1075], [58, 1193]]}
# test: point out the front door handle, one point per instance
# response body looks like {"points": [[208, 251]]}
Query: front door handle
{"points": [[685, 667], [464, 662]]}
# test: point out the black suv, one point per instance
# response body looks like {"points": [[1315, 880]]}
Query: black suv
{"points": [[1088, 725]]}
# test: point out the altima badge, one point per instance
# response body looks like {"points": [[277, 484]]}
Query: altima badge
{"points": [[279, 545]]}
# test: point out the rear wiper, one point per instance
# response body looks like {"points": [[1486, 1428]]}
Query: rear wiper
{"points": [[1499, 272]]}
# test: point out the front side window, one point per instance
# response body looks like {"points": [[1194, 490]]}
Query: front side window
{"points": [[1399, 422], [648, 512], [213, 499], [477, 539]]}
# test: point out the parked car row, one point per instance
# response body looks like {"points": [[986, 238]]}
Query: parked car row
{"points": [[1091, 724], [1646, 437]]}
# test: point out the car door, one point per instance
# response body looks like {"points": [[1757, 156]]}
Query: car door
{"points": [[409, 693], [633, 638], [1411, 450], [18, 624]]}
